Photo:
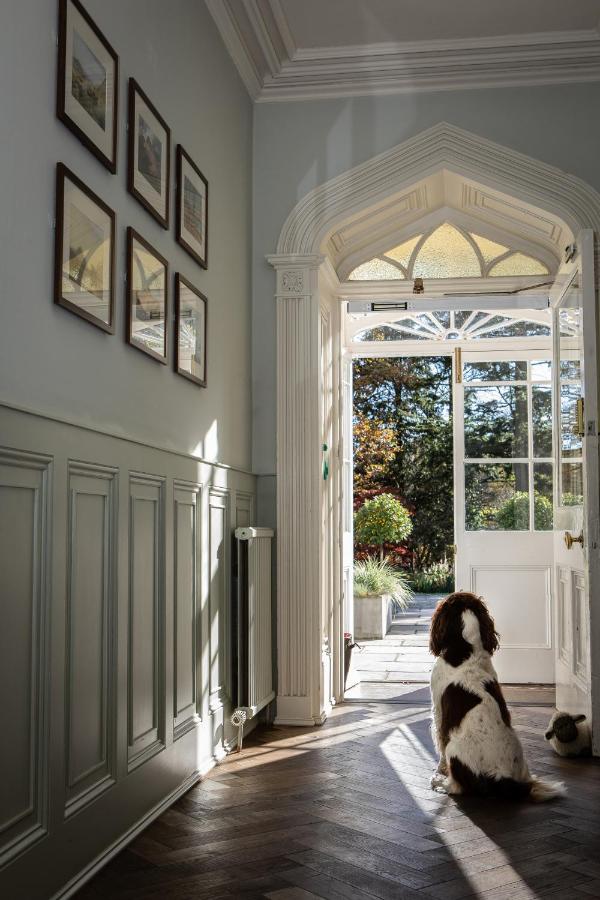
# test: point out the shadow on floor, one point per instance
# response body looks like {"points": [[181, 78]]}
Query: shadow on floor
{"points": [[346, 811]]}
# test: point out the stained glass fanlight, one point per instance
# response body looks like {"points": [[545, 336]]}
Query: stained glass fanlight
{"points": [[448, 252]]}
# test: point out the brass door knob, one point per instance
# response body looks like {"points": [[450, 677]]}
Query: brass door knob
{"points": [[570, 540]]}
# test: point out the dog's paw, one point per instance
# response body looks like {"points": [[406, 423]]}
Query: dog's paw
{"points": [[438, 780]]}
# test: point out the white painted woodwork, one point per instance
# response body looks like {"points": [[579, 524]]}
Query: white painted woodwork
{"points": [[313, 50], [577, 570], [91, 714], [512, 570], [106, 569], [257, 594], [299, 641]]}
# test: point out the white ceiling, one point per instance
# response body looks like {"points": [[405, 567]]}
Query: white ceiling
{"points": [[302, 49], [336, 23]]}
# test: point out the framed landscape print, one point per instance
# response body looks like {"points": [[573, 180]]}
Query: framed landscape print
{"points": [[190, 331], [149, 155], [147, 297], [84, 252], [192, 208], [88, 82]]}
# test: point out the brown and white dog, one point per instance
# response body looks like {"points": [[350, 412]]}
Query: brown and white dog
{"points": [[479, 751]]}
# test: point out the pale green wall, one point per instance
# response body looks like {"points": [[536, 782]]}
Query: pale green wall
{"points": [[51, 361]]}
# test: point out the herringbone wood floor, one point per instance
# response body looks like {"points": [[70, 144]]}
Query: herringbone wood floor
{"points": [[345, 811]]}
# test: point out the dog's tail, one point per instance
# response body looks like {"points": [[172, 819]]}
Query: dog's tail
{"points": [[546, 790]]}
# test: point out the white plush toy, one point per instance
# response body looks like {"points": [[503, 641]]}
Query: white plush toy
{"points": [[569, 735]]}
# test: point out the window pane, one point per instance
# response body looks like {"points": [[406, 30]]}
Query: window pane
{"points": [[402, 252], [495, 371], [570, 442], [382, 333], [542, 496], [489, 249], [496, 422], [511, 328], [570, 369], [446, 254], [572, 484], [497, 497], [375, 270], [519, 264], [541, 410], [541, 370]]}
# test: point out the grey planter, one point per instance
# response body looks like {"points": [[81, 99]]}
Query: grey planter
{"points": [[372, 616]]}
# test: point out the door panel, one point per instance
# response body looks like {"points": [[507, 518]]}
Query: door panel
{"points": [[576, 491], [503, 496]]}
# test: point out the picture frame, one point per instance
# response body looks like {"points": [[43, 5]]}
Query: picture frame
{"points": [[191, 219], [87, 83], [191, 310], [149, 155], [147, 298], [84, 260]]}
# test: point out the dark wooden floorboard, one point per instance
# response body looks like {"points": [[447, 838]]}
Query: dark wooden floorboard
{"points": [[346, 811]]}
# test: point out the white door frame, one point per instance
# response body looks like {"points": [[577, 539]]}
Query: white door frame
{"points": [[303, 268]]}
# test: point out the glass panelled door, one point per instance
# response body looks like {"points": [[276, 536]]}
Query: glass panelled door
{"points": [[576, 556], [504, 474]]}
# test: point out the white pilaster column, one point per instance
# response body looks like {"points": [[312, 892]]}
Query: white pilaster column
{"points": [[299, 458]]}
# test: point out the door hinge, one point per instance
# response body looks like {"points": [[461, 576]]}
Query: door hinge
{"points": [[458, 365]]}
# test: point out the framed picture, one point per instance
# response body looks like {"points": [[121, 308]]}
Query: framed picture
{"points": [[84, 266], [192, 208], [88, 82], [147, 297], [149, 155], [190, 331]]}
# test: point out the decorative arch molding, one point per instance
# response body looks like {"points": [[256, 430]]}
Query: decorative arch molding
{"points": [[347, 196]]}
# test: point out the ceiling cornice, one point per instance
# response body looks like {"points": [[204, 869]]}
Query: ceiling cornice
{"points": [[262, 46]]}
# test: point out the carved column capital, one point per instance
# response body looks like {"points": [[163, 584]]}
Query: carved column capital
{"points": [[296, 275]]}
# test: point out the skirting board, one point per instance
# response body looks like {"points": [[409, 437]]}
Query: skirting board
{"points": [[89, 871], [296, 711]]}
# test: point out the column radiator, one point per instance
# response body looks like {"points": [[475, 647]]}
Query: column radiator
{"points": [[253, 646]]}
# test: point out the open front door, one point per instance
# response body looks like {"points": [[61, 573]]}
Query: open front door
{"points": [[576, 562], [503, 501]]}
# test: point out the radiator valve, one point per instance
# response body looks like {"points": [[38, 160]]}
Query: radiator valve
{"points": [[238, 717]]}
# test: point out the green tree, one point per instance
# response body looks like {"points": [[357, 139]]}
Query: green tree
{"points": [[412, 399], [382, 520]]}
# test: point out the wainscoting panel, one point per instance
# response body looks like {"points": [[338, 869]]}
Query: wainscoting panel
{"points": [[115, 655], [186, 604], [91, 714], [220, 601], [146, 664], [25, 485]]}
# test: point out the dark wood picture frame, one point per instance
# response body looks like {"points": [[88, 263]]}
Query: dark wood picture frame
{"points": [[134, 88], [109, 161], [180, 281], [62, 174], [132, 235], [180, 156]]}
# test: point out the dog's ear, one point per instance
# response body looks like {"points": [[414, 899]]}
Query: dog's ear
{"points": [[487, 629], [438, 629]]}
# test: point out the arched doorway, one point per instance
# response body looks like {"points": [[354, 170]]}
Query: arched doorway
{"points": [[324, 237]]}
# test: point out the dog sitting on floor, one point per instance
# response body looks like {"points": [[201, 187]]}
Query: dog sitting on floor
{"points": [[479, 751]]}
